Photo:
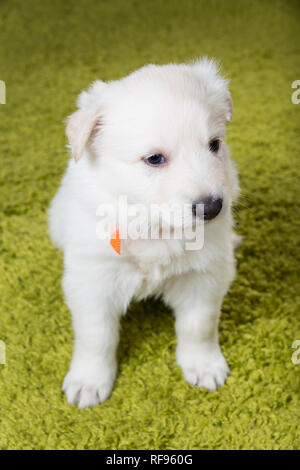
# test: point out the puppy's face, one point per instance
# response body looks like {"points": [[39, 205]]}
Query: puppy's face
{"points": [[158, 137]]}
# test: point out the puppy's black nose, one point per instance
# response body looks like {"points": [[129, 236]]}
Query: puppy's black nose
{"points": [[207, 208]]}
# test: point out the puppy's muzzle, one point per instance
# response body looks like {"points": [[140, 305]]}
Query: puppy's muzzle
{"points": [[207, 208]]}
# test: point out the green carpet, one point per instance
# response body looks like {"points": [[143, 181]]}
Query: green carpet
{"points": [[49, 52]]}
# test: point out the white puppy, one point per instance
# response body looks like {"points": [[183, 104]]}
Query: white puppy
{"points": [[156, 137]]}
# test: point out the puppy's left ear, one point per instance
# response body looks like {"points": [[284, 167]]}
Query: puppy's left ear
{"points": [[82, 125]]}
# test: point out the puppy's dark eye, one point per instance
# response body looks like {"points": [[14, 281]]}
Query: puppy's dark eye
{"points": [[155, 160], [214, 145]]}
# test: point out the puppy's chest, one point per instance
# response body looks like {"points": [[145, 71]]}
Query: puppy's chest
{"points": [[154, 271], [152, 280]]}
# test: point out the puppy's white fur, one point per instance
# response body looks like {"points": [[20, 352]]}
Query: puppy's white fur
{"points": [[174, 110]]}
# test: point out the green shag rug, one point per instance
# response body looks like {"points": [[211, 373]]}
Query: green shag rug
{"points": [[49, 52]]}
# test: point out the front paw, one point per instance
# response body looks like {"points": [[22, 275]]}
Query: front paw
{"points": [[87, 387], [203, 366]]}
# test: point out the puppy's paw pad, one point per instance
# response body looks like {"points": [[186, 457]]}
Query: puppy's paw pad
{"points": [[86, 392]]}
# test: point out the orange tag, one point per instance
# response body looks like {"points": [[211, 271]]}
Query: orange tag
{"points": [[115, 241]]}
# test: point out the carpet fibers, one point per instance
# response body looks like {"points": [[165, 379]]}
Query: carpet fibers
{"points": [[49, 52]]}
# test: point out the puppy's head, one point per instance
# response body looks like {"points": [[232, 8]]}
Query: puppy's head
{"points": [[158, 137]]}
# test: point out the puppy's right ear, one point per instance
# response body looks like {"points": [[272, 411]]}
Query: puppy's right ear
{"points": [[83, 124]]}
